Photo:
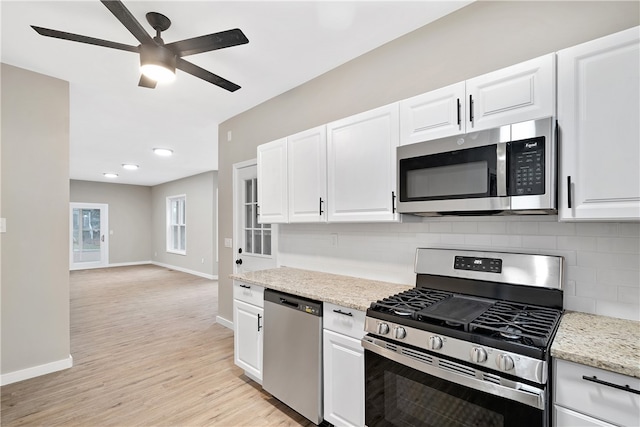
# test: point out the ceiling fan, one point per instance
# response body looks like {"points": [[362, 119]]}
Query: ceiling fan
{"points": [[158, 61]]}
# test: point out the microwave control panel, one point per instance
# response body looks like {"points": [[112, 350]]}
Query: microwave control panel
{"points": [[527, 167]]}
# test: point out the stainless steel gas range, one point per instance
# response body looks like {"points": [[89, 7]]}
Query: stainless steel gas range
{"points": [[468, 346]]}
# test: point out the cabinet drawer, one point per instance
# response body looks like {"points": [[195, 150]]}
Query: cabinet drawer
{"points": [[563, 417], [600, 401], [347, 321], [252, 294]]}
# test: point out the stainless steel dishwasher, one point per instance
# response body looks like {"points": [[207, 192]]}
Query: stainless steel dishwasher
{"points": [[292, 359]]}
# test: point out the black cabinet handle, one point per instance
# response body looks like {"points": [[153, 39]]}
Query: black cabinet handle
{"points": [[259, 325], [245, 286], [459, 115], [471, 109], [569, 191], [342, 312], [321, 211], [626, 387], [393, 202]]}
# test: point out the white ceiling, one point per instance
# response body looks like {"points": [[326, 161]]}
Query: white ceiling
{"points": [[113, 121]]}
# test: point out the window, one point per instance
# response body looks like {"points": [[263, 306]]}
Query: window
{"points": [[177, 224], [257, 237]]}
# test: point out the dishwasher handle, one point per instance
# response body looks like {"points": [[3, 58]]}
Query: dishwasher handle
{"points": [[289, 303]]}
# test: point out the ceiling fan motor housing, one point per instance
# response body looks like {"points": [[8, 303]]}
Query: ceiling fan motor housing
{"points": [[157, 55]]}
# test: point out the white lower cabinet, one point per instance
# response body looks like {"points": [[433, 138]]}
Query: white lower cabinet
{"points": [[343, 360], [248, 321], [587, 396]]}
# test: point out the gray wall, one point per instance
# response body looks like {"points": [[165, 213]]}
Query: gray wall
{"points": [[129, 217], [201, 224], [479, 38], [35, 202]]}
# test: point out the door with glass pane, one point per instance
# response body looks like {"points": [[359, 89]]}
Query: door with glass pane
{"points": [[89, 245], [254, 244]]}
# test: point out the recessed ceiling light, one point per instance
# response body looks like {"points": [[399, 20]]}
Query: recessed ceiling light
{"points": [[165, 152], [130, 166], [110, 175]]}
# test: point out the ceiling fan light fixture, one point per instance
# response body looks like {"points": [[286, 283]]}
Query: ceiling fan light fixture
{"points": [[158, 63], [164, 152], [110, 175], [130, 166]]}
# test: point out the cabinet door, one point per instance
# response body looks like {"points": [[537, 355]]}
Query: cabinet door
{"points": [[343, 380], [522, 92], [361, 166], [563, 417], [272, 182], [434, 114], [248, 320], [598, 110], [307, 170]]}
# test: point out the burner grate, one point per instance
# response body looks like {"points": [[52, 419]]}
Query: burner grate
{"points": [[409, 302], [524, 323]]}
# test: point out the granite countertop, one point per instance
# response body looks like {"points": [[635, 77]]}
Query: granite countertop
{"points": [[599, 341], [351, 292]]}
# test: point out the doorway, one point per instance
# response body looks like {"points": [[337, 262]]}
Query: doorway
{"points": [[254, 245], [89, 239]]}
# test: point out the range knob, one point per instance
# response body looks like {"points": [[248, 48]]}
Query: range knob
{"points": [[435, 342], [504, 362], [478, 355], [400, 333], [383, 328]]}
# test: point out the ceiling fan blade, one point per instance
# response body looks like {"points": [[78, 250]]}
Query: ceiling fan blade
{"points": [[83, 39], [208, 43], [147, 82], [127, 19], [194, 70]]}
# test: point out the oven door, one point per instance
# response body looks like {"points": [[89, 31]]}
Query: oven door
{"points": [[406, 387]]}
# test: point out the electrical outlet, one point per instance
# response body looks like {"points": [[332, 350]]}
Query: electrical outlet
{"points": [[202, 261], [334, 240], [3, 225]]}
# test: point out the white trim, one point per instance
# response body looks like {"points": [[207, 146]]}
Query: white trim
{"points": [[117, 264], [186, 270], [224, 322], [36, 371]]}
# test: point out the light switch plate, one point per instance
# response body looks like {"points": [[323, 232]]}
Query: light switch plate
{"points": [[228, 243], [3, 225]]}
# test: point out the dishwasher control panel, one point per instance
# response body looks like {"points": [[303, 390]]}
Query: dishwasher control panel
{"points": [[310, 309]]}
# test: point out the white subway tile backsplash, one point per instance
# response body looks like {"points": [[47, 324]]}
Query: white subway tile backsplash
{"points": [[602, 261]]}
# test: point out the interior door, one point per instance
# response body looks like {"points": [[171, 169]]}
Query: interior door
{"points": [[254, 244], [89, 240]]}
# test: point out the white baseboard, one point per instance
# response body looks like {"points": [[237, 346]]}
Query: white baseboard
{"points": [[224, 322], [127, 264], [186, 270], [36, 371]]}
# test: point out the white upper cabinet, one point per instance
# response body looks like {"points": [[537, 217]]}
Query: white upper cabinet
{"points": [[521, 92], [434, 114], [361, 166], [307, 170], [272, 182], [598, 113]]}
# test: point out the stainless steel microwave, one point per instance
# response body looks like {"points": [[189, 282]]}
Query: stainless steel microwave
{"points": [[507, 170]]}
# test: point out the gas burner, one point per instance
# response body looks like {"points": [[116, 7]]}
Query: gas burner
{"points": [[408, 303], [511, 333]]}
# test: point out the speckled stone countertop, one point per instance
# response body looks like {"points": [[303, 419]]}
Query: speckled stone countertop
{"points": [[351, 292], [602, 342]]}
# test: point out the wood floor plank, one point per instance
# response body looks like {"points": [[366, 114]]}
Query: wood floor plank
{"points": [[147, 352]]}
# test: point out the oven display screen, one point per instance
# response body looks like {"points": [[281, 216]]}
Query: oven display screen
{"points": [[488, 265]]}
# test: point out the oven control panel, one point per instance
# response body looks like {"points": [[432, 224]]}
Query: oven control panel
{"points": [[489, 265]]}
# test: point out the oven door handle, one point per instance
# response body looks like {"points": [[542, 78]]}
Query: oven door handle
{"points": [[518, 392]]}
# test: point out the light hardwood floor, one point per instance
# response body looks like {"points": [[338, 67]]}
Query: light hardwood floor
{"points": [[146, 351]]}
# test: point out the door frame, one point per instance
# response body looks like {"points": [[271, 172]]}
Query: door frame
{"points": [[104, 231], [237, 167]]}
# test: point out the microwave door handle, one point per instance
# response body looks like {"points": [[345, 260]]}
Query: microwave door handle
{"points": [[501, 164]]}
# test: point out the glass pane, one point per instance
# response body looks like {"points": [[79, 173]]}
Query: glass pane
{"points": [[452, 180], [248, 214], [266, 247], [183, 211], [174, 235], [266, 225], [248, 191], [86, 235], [183, 237], [257, 240], [247, 242], [174, 212], [255, 190]]}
